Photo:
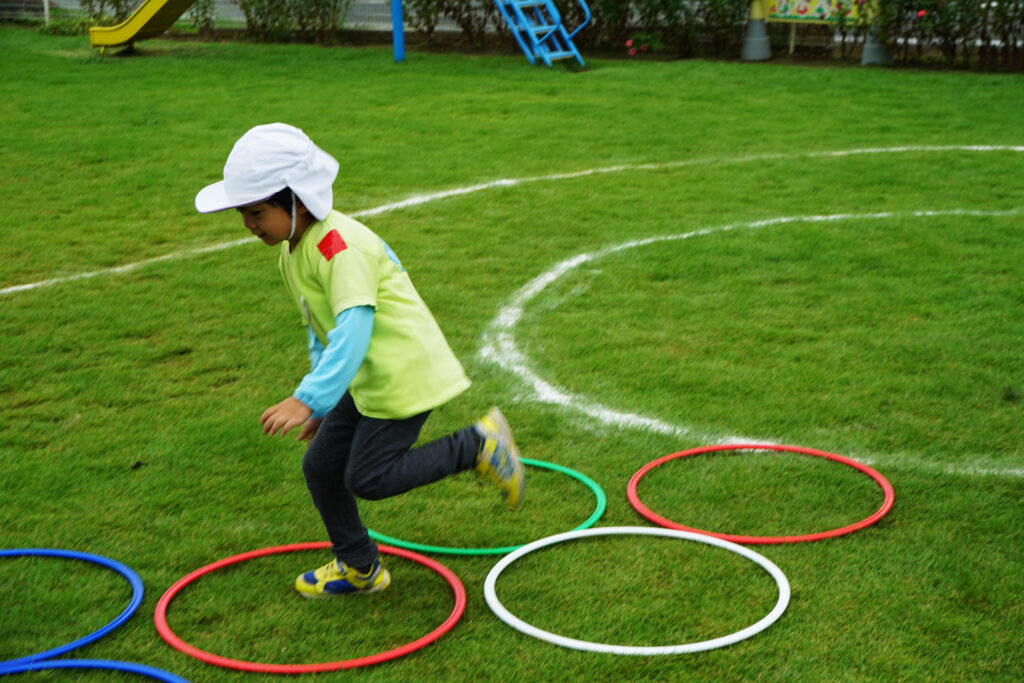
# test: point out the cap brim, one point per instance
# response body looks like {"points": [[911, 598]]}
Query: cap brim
{"points": [[215, 198]]}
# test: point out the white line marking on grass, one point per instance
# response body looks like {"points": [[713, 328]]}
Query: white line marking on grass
{"points": [[499, 342], [127, 268], [512, 182]]}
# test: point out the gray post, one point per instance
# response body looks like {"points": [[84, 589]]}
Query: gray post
{"points": [[756, 47], [875, 52]]}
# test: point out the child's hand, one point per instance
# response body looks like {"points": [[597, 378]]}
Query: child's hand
{"points": [[309, 429], [283, 417]]}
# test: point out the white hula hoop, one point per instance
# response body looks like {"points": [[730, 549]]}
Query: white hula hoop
{"points": [[530, 630]]}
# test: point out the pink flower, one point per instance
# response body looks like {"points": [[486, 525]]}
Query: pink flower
{"points": [[632, 52], [643, 48], [629, 43], [922, 13]]}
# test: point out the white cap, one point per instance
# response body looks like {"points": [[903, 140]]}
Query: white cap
{"points": [[266, 160]]}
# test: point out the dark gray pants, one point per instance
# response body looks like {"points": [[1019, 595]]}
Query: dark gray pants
{"points": [[357, 456]]}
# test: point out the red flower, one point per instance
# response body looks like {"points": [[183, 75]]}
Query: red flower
{"points": [[632, 52], [922, 13], [629, 43]]}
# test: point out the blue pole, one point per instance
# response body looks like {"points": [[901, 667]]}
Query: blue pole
{"points": [[398, 30]]}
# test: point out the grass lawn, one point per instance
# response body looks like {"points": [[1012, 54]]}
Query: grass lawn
{"points": [[632, 259]]}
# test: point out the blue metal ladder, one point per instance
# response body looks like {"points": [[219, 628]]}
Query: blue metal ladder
{"points": [[537, 27]]}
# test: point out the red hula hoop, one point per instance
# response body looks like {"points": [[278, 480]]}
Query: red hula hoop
{"points": [[661, 521], [160, 616]]}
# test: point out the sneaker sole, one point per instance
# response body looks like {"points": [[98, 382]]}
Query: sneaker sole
{"points": [[518, 480]]}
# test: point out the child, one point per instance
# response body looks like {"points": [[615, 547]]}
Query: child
{"points": [[379, 362]]}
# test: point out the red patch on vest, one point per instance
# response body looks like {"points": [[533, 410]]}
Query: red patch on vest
{"points": [[332, 245]]}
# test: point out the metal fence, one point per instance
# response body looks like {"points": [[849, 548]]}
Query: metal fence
{"points": [[371, 15]]}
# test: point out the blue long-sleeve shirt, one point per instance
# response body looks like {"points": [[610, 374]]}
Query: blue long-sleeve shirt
{"points": [[332, 367]]}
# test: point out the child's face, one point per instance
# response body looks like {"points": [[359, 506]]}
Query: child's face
{"points": [[270, 223]]}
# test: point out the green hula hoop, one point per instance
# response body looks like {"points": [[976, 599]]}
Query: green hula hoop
{"points": [[602, 502]]}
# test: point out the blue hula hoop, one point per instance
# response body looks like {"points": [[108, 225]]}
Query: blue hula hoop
{"points": [[10, 665], [140, 669]]}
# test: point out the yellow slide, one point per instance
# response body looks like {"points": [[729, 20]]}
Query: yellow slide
{"points": [[149, 20]]}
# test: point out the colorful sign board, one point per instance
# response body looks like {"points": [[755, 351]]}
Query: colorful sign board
{"points": [[811, 10]]}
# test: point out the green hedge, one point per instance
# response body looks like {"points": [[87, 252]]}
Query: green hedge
{"points": [[985, 33], [972, 33], [473, 17], [277, 19], [670, 27], [954, 33]]}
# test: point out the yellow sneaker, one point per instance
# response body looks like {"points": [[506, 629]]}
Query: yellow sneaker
{"points": [[498, 457], [337, 578]]}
